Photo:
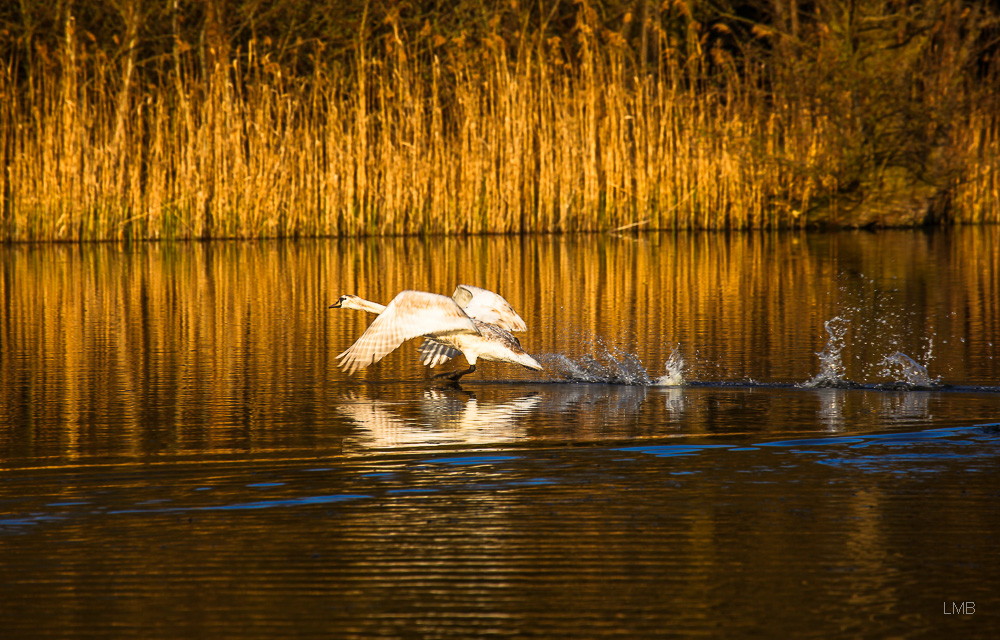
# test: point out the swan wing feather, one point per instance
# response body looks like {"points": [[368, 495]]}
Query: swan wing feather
{"points": [[409, 315], [487, 306], [433, 353]]}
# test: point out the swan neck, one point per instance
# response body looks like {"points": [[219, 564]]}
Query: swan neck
{"points": [[370, 307]]}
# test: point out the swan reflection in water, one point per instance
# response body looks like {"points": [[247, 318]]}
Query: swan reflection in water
{"points": [[400, 418], [439, 416]]}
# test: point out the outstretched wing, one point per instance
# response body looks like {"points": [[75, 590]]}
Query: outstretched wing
{"points": [[486, 306], [433, 353], [409, 315]]}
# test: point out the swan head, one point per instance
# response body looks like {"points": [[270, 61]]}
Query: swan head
{"points": [[348, 301]]}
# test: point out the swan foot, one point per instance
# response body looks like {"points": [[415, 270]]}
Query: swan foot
{"points": [[455, 375]]}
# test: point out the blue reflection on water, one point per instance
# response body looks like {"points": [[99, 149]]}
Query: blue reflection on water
{"points": [[471, 460], [911, 452], [809, 442], [670, 450], [262, 504], [884, 438], [898, 463], [975, 448]]}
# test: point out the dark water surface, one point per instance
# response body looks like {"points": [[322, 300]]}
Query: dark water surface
{"points": [[748, 435]]}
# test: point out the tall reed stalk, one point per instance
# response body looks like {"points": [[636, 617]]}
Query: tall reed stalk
{"points": [[433, 137]]}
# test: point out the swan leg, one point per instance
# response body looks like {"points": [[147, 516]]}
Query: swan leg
{"points": [[455, 375]]}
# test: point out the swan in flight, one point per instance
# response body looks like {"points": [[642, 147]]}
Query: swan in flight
{"points": [[478, 303], [448, 329]]}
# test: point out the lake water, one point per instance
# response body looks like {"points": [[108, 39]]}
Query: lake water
{"points": [[767, 435]]}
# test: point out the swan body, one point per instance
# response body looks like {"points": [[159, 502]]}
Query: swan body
{"points": [[447, 328], [481, 305]]}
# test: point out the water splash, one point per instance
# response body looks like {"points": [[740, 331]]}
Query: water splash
{"points": [[907, 372], [611, 365], [609, 369], [673, 375], [831, 364]]}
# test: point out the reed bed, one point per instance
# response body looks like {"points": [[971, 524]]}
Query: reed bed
{"points": [[425, 138]]}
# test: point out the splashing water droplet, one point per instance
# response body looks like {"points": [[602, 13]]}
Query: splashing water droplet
{"points": [[831, 364], [907, 371], [614, 366], [673, 375], [609, 367]]}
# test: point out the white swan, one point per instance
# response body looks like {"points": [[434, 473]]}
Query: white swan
{"points": [[449, 329], [478, 303]]}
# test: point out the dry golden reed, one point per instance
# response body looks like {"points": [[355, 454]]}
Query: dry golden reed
{"points": [[465, 140]]}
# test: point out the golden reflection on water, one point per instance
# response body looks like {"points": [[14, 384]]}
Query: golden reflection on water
{"points": [[177, 438], [237, 335]]}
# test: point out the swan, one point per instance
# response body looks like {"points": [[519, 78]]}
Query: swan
{"points": [[447, 327], [478, 303]]}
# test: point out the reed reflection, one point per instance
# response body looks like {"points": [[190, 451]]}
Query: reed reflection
{"points": [[143, 349]]}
